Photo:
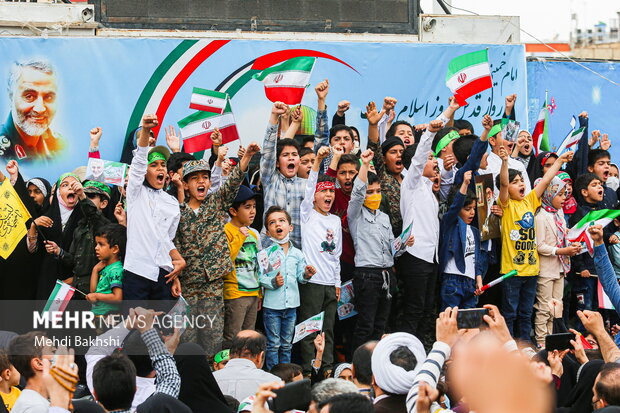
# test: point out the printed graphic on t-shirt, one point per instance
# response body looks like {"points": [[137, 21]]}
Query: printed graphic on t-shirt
{"points": [[470, 247], [246, 266], [329, 246], [525, 240]]}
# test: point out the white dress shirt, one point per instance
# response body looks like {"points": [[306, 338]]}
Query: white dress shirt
{"points": [[419, 205], [152, 221]]}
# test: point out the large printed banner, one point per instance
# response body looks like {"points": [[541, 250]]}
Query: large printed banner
{"points": [[571, 90], [61, 88]]}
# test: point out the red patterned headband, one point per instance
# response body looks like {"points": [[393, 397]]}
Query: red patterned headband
{"points": [[322, 186]]}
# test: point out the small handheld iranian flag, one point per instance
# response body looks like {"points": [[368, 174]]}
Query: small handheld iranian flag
{"points": [[60, 297], [571, 140], [208, 100], [579, 233], [540, 134], [468, 75], [196, 129], [603, 298], [287, 81]]}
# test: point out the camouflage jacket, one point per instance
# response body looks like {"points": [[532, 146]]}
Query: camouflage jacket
{"points": [[390, 190], [201, 241]]}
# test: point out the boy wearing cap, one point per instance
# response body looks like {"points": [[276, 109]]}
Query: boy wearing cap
{"points": [[200, 238], [241, 285], [93, 198], [221, 359], [152, 262]]}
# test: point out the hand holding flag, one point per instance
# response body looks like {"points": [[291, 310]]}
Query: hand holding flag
{"points": [[468, 75], [591, 222], [499, 280]]}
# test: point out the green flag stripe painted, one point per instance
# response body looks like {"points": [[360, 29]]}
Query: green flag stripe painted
{"points": [[151, 85], [470, 59], [50, 300], [242, 81], [298, 63], [206, 92], [596, 215]]}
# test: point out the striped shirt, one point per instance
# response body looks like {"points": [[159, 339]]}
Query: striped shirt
{"points": [[429, 373], [279, 190]]}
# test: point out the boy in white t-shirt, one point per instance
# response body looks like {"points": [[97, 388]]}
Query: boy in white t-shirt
{"points": [[321, 240]]}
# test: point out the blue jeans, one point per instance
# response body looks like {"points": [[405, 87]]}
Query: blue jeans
{"points": [[518, 305], [458, 290], [279, 330]]}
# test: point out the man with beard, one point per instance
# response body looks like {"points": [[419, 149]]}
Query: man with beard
{"points": [[26, 135]]}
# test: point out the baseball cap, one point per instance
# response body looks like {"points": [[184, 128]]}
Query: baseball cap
{"points": [[244, 194], [160, 149], [96, 187], [222, 356], [195, 166]]}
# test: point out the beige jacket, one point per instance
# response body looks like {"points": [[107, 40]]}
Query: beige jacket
{"points": [[547, 241]]}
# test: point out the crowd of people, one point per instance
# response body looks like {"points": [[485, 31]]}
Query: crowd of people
{"points": [[265, 240]]}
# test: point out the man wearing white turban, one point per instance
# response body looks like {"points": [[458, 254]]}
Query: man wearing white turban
{"points": [[396, 361]]}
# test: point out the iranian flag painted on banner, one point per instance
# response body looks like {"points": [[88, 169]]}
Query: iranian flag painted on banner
{"points": [[540, 135], [579, 233], [571, 140], [287, 81], [60, 297], [196, 129], [468, 75], [208, 100]]}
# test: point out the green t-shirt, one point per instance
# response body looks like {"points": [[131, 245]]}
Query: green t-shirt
{"points": [[110, 277]]}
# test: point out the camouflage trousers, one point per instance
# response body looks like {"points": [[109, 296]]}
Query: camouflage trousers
{"points": [[208, 329]]}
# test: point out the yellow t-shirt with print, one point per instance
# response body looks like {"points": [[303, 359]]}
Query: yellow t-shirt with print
{"points": [[10, 398], [519, 250]]}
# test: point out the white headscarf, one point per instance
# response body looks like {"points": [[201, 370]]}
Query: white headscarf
{"points": [[340, 368], [389, 377]]}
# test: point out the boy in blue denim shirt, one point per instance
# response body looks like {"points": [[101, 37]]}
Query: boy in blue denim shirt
{"points": [[373, 279], [460, 262], [281, 291]]}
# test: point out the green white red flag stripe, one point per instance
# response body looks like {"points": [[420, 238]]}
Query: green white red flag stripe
{"points": [[603, 298], [571, 140], [208, 100], [196, 129], [540, 134], [468, 75], [579, 233], [287, 81], [60, 297]]}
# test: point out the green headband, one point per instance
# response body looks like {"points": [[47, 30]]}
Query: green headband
{"points": [[156, 156], [98, 185], [495, 130], [445, 141], [65, 176], [222, 356]]}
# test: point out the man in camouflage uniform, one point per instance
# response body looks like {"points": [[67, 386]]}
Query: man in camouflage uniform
{"points": [[201, 240]]}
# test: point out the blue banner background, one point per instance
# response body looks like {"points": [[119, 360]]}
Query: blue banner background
{"points": [[574, 90], [100, 81]]}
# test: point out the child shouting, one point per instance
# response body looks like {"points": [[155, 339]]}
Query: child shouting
{"points": [[460, 255], [321, 238], [281, 291], [519, 250]]}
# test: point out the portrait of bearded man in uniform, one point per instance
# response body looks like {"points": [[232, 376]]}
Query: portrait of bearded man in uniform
{"points": [[26, 135]]}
